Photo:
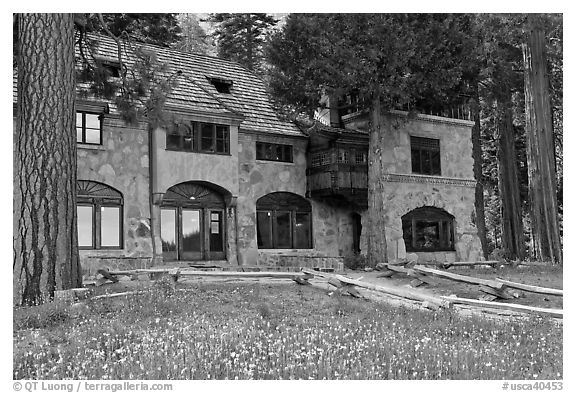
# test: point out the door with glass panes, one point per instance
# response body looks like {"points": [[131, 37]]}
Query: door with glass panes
{"points": [[192, 223]]}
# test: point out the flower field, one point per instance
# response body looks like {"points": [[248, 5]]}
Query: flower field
{"points": [[273, 331]]}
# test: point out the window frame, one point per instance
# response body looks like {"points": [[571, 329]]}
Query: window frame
{"points": [[429, 215], [197, 137], [284, 152], [272, 210], [83, 127], [97, 202], [425, 148]]}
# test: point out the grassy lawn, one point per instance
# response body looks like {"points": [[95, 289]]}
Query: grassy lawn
{"points": [[273, 331]]}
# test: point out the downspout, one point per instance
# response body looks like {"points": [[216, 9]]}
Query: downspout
{"points": [[151, 181], [236, 235]]}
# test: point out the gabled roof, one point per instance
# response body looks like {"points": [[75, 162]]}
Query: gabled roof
{"points": [[194, 92]]}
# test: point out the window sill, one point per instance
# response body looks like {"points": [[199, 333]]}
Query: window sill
{"points": [[426, 174], [285, 251], [197, 152], [275, 162], [428, 251], [86, 146]]}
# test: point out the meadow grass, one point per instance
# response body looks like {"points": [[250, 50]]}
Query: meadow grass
{"points": [[273, 331]]}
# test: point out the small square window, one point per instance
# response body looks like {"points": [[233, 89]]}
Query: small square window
{"points": [[89, 128], [425, 154]]}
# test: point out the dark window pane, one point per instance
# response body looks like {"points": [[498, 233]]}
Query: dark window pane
{"points": [[288, 156], [427, 235], [222, 139], [302, 231], [191, 231], [220, 146], [264, 229], [283, 230], [415, 161], [216, 235], [207, 137], [110, 226], [435, 163], [85, 226], [426, 166], [407, 234], [268, 152], [168, 231]]}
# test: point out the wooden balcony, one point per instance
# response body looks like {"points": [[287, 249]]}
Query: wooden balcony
{"points": [[339, 174]]}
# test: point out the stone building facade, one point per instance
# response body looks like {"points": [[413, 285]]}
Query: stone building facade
{"points": [[224, 181]]}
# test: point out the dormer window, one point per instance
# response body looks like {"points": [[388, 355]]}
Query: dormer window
{"points": [[111, 66], [221, 85]]}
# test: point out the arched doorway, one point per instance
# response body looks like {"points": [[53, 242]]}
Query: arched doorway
{"points": [[193, 223]]}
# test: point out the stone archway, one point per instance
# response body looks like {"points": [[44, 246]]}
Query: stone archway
{"points": [[193, 222]]}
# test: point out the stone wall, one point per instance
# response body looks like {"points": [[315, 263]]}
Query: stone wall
{"points": [[121, 162], [174, 167], [332, 228], [258, 178], [456, 198], [403, 191]]}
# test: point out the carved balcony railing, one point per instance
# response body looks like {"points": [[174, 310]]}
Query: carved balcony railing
{"points": [[340, 173]]}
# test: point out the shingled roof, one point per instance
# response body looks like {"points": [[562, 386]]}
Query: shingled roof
{"points": [[195, 92]]}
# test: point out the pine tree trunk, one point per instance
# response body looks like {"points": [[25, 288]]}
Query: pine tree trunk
{"points": [[376, 232], [540, 152], [512, 229], [480, 217], [45, 238]]}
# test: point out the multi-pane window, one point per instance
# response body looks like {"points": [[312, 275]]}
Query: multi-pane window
{"points": [[343, 156], [425, 156], [320, 158], [89, 128], [428, 229], [360, 157], [99, 213], [273, 152], [199, 137], [283, 220]]}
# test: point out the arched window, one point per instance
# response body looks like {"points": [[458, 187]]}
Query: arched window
{"points": [[428, 229], [284, 220], [99, 211], [193, 222]]}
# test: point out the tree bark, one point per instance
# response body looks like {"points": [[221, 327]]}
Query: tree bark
{"points": [[512, 228], [376, 233], [44, 216], [540, 152], [480, 217]]}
